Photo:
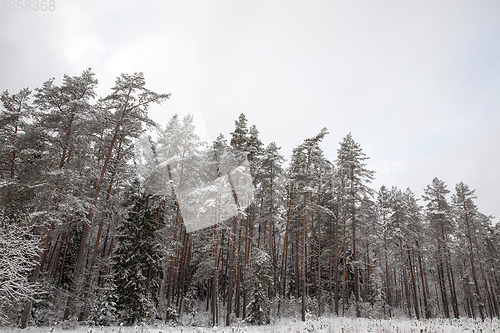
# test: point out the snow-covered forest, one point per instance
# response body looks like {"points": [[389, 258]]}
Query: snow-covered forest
{"points": [[92, 231]]}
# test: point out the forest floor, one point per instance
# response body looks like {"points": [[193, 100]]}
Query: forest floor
{"points": [[320, 325]]}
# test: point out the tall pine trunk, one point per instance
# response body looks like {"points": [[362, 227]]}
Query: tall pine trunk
{"points": [[473, 268], [318, 292], [414, 283], [354, 252], [423, 279], [285, 251], [231, 274]]}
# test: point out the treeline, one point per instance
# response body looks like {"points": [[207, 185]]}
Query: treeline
{"points": [[95, 208]]}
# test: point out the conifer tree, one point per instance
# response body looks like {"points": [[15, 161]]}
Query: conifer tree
{"points": [[126, 108], [62, 114], [137, 270], [306, 165], [272, 174], [18, 257], [466, 213], [13, 125], [245, 141], [383, 211], [239, 138], [353, 176], [69, 162], [441, 225], [258, 309]]}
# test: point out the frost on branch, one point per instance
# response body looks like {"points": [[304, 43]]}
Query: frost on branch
{"points": [[18, 257]]}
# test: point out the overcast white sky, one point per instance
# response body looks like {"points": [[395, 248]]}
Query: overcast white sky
{"points": [[416, 82]]}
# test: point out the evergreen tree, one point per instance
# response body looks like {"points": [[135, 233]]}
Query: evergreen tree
{"points": [[18, 257], [305, 169], [441, 225], [353, 177], [466, 214], [13, 125], [137, 270], [383, 212], [239, 138], [272, 175], [126, 108], [255, 149], [259, 280], [61, 123], [246, 145], [69, 162]]}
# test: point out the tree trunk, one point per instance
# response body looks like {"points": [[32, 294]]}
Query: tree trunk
{"points": [[238, 274], [215, 282], [473, 267], [78, 269], [442, 284], [354, 253], [184, 275], [231, 273], [285, 252], [336, 261], [449, 273], [27, 307], [318, 292], [108, 195], [330, 274], [424, 286], [303, 263], [345, 281], [248, 247], [366, 279], [414, 283], [405, 279]]}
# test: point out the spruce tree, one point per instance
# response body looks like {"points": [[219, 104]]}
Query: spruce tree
{"points": [[259, 280], [136, 262]]}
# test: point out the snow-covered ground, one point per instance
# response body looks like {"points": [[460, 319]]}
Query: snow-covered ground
{"points": [[321, 325]]}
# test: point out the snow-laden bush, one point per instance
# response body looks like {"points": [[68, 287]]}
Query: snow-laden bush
{"points": [[259, 280], [103, 306], [48, 305], [18, 256], [171, 315]]}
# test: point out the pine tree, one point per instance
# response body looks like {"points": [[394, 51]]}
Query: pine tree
{"points": [[244, 142], [466, 213], [272, 175], [352, 190], [239, 138], [383, 210], [71, 163], [440, 222], [62, 114], [126, 108], [13, 125], [415, 230], [305, 169]]}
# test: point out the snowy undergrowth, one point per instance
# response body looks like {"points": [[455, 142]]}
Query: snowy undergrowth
{"points": [[321, 325]]}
